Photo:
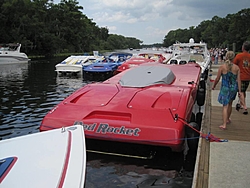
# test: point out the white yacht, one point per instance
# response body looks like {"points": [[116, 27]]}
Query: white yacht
{"points": [[192, 52], [10, 53]]}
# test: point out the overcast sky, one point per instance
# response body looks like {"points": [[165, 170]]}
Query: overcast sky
{"points": [[151, 20]]}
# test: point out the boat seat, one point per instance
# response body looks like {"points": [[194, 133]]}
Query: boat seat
{"points": [[197, 57], [149, 75], [173, 61], [182, 62], [191, 61]]}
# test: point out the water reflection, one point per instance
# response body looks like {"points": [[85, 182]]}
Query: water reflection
{"points": [[112, 171], [29, 90]]}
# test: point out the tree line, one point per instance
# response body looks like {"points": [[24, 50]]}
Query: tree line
{"points": [[226, 32], [46, 28]]}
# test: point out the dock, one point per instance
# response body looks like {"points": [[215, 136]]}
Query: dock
{"points": [[223, 164]]}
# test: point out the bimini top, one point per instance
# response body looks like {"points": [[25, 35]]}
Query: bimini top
{"points": [[143, 76]]}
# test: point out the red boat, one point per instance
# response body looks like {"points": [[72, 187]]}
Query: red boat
{"points": [[132, 62], [140, 105], [156, 56]]}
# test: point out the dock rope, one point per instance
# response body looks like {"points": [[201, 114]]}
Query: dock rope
{"points": [[209, 137]]}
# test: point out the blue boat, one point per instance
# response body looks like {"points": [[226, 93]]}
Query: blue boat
{"points": [[105, 68]]}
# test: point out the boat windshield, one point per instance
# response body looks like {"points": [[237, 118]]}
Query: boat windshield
{"points": [[8, 47]]}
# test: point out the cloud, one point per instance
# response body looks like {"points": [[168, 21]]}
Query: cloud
{"points": [[150, 20], [112, 29]]}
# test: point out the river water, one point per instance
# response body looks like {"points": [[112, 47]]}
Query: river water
{"points": [[29, 90]]}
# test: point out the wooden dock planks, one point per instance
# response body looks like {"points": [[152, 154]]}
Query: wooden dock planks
{"points": [[238, 130]]}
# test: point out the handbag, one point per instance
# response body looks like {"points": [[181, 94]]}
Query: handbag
{"points": [[238, 106]]}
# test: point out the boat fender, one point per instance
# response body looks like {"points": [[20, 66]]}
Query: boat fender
{"points": [[201, 93], [199, 116], [189, 130], [204, 75], [202, 84], [192, 117], [200, 97], [192, 136]]}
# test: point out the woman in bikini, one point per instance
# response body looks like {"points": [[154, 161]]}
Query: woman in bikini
{"points": [[230, 84]]}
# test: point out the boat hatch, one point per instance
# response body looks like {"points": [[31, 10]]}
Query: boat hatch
{"points": [[164, 98], [149, 75], [96, 90], [5, 166]]}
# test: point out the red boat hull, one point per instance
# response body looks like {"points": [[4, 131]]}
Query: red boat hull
{"points": [[132, 62], [142, 115]]}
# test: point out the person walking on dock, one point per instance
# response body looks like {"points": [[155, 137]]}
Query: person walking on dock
{"points": [[243, 61], [230, 84]]}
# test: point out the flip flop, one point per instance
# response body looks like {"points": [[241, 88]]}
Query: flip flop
{"points": [[222, 128], [245, 112], [229, 121]]}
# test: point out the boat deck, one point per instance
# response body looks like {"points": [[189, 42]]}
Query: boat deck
{"points": [[223, 164]]}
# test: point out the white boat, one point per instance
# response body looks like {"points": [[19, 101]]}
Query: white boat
{"points": [[10, 53], [75, 64], [55, 158], [192, 52]]}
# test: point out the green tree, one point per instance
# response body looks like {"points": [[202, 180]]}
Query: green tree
{"points": [[217, 32]]}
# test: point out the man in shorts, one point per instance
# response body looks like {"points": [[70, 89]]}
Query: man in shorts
{"points": [[243, 61]]}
